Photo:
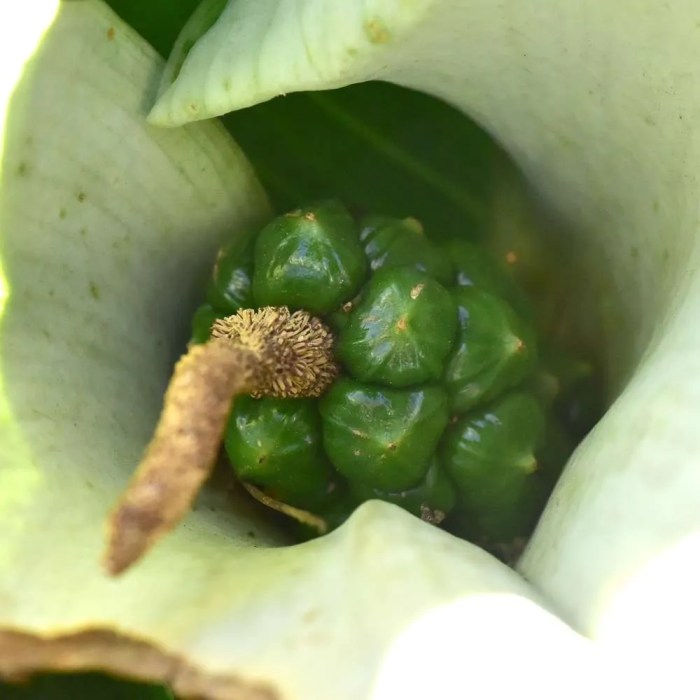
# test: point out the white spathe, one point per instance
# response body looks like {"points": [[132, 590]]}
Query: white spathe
{"points": [[598, 103], [106, 227]]}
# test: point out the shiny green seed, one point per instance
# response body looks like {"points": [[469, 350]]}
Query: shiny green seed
{"points": [[495, 349], [432, 499], [276, 444], [490, 454], [402, 330], [202, 321], [382, 438], [230, 286], [402, 243], [309, 259]]}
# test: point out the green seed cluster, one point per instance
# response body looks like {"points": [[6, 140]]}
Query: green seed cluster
{"points": [[444, 405]]}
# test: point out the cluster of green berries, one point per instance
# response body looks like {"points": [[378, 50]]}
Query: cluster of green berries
{"points": [[444, 404]]}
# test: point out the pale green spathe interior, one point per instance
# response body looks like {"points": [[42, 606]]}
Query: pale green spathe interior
{"points": [[107, 226], [598, 104], [596, 101]]}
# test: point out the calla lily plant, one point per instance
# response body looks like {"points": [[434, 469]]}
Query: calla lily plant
{"points": [[117, 185]]}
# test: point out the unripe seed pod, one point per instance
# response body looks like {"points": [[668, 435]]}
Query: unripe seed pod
{"points": [[490, 454], [276, 444], [309, 259], [495, 349], [365, 362], [431, 500], [384, 438], [401, 331], [230, 287], [392, 242]]}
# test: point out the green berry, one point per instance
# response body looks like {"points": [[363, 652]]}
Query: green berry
{"points": [[401, 331], [402, 243], [276, 444], [495, 349], [444, 405], [309, 259], [382, 438], [490, 454], [230, 286], [433, 498], [572, 390], [476, 267], [202, 321]]}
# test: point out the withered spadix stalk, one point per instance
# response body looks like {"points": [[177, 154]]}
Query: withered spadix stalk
{"points": [[264, 352]]}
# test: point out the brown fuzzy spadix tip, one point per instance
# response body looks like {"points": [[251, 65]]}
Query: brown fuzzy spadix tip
{"points": [[263, 352], [295, 350]]}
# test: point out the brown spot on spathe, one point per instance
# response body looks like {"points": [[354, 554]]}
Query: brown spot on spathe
{"points": [[377, 32]]}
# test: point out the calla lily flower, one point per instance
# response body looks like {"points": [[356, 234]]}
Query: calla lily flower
{"points": [[112, 203]]}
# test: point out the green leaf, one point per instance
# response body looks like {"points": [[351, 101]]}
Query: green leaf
{"points": [[88, 686], [158, 21], [384, 148]]}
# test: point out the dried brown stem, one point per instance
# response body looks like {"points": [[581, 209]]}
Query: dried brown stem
{"points": [[267, 352], [302, 516], [183, 450]]}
